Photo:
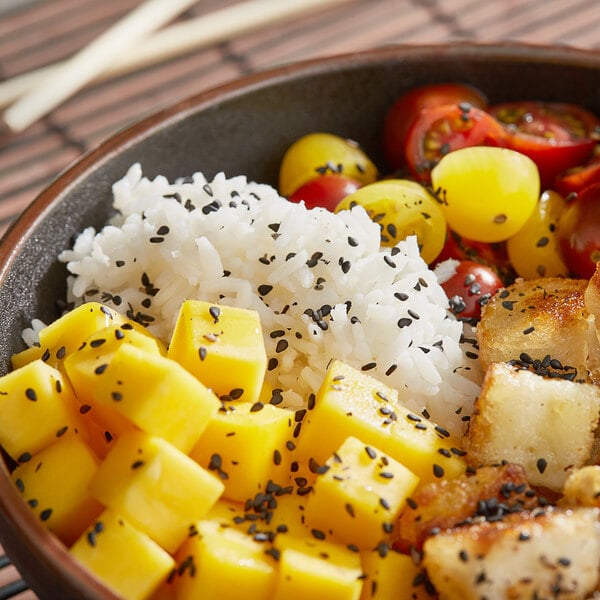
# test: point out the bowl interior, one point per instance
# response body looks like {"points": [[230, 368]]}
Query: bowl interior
{"points": [[241, 128]]}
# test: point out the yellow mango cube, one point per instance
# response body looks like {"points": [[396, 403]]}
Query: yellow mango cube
{"points": [[222, 346], [316, 570], [135, 387], [37, 406], [55, 484], [156, 487], [224, 563], [246, 445], [124, 558], [391, 576], [352, 403], [20, 359], [360, 496], [67, 333]]}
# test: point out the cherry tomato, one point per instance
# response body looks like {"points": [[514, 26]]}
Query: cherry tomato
{"points": [[573, 181], [556, 136], [326, 191], [317, 154], [533, 250], [487, 194], [444, 129], [406, 108], [401, 208], [470, 288], [579, 232], [493, 255]]}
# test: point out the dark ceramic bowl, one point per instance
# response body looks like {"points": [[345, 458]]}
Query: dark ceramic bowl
{"points": [[240, 128]]}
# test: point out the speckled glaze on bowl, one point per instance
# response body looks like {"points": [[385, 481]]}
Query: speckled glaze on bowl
{"points": [[240, 128]]}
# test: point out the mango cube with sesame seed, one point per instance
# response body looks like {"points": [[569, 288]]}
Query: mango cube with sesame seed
{"points": [[134, 387], [245, 444], [54, 483], [63, 336], [125, 559], [317, 572], [360, 496], [20, 359], [352, 403], [37, 406], [222, 346], [391, 576], [156, 487], [224, 563]]}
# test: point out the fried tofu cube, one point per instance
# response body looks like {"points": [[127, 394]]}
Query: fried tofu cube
{"points": [[222, 346], [122, 557], [220, 562], [540, 317], [360, 495], [55, 483], [38, 407], [351, 403], [245, 444], [156, 487], [524, 555], [134, 387], [545, 425], [582, 487]]}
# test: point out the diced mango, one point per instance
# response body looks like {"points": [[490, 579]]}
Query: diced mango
{"points": [[37, 407], [352, 403], [134, 387], [67, 333], [124, 558], [303, 574], [222, 346], [246, 445], [156, 487], [20, 359], [392, 576], [55, 485], [360, 496], [83, 366], [224, 563]]}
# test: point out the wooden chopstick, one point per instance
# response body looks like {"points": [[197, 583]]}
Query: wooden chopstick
{"points": [[28, 91], [74, 73]]}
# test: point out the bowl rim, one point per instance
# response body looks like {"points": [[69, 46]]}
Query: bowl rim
{"points": [[14, 512]]}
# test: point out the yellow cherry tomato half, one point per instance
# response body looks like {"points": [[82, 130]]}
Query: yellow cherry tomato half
{"points": [[318, 154], [534, 250], [402, 208], [486, 193]]}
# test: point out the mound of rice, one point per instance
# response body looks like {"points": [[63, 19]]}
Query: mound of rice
{"points": [[321, 283]]}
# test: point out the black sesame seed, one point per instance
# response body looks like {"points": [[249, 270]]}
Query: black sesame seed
{"points": [[438, 471], [30, 394]]}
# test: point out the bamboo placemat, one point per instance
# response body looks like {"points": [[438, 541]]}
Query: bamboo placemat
{"points": [[34, 33]]}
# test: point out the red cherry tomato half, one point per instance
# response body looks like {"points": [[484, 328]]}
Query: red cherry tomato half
{"points": [[470, 288], [406, 108], [493, 255], [443, 129], [575, 180], [326, 191], [556, 136], [579, 232]]}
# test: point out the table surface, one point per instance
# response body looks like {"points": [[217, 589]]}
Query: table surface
{"points": [[34, 33]]}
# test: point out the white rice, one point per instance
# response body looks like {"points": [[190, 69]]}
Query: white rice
{"points": [[222, 240]]}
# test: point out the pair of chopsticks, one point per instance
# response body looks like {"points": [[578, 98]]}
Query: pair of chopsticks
{"points": [[135, 42]]}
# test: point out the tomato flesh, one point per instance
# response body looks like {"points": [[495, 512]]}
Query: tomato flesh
{"points": [[406, 108], [444, 129], [576, 179], [470, 288], [326, 191], [556, 136], [579, 232]]}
